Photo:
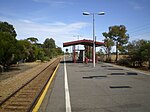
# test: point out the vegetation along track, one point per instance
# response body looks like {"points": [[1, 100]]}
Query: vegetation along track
{"points": [[24, 99]]}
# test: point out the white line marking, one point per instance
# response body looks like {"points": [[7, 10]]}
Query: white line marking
{"points": [[67, 95]]}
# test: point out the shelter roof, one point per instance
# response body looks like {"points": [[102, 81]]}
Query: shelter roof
{"points": [[83, 42]]}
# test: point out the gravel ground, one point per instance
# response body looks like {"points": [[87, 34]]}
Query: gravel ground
{"points": [[16, 69], [11, 81]]}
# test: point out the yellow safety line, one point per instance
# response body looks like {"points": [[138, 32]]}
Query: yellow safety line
{"points": [[37, 106]]}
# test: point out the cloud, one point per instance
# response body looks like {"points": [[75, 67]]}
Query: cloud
{"points": [[26, 21], [57, 24], [50, 1], [135, 5], [54, 3], [59, 31]]}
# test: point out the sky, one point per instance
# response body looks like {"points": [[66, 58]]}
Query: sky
{"points": [[63, 20]]}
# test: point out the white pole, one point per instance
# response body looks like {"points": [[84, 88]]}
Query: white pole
{"points": [[93, 41]]}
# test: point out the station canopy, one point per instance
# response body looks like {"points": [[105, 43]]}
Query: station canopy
{"points": [[83, 42]]}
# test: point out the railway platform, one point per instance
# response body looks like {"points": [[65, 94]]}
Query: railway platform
{"points": [[78, 87]]}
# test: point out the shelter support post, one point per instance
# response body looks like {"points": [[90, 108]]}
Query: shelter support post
{"points": [[92, 54], [74, 54]]}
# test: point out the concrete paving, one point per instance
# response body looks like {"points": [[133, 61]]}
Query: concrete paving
{"points": [[90, 89]]}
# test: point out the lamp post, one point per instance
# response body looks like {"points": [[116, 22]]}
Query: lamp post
{"points": [[93, 15]]}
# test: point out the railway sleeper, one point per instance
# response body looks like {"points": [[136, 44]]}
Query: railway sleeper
{"points": [[15, 109], [33, 88], [27, 94], [30, 91], [20, 101], [17, 104], [32, 85], [24, 96]]}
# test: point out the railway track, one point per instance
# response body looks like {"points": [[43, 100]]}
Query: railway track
{"points": [[24, 98]]}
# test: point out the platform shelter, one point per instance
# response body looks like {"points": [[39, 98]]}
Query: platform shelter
{"points": [[88, 45]]}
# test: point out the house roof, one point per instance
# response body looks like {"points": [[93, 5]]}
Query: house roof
{"points": [[83, 42]]}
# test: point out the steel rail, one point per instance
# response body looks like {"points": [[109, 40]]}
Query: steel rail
{"points": [[13, 94], [39, 94]]}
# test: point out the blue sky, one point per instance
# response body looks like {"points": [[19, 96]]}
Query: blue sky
{"points": [[62, 20]]}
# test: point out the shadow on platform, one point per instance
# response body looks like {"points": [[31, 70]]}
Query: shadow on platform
{"points": [[68, 61]]}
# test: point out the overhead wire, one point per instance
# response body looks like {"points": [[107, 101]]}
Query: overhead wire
{"points": [[140, 31]]}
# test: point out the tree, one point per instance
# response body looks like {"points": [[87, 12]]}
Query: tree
{"points": [[25, 51], [41, 54], [33, 40], [22, 50], [108, 42], [6, 27], [138, 52], [119, 36], [133, 52], [7, 49], [49, 43], [50, 47], [33, 53], [59, 51], [145, 51], [7, 44]]}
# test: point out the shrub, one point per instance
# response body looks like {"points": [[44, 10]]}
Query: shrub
{"points": [[124, 62], [108, 60]]}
